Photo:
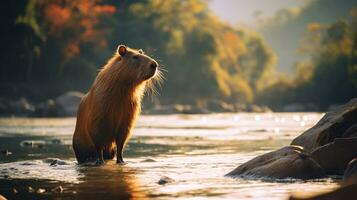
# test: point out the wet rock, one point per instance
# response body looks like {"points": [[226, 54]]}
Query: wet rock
{"points": [[56, 141], [48, 108], [333, 125], [219, 106], [14, 191], [5, 152], [2, 197], [350, 132], [335, 156], [58, 189], [40, 191], [55, 161], [187, 109], [287, 162], [33, 143], [343, 193], [165, 180], [149, 160], [240, 107], [22, 106], [258, 109], [69, 102], [30, 189], [350, 175], [347, 191]]}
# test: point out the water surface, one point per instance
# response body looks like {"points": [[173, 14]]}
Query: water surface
{"points": [[195, 151]]}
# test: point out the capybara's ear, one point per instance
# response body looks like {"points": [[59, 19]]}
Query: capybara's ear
{"points": [[122, 50]]}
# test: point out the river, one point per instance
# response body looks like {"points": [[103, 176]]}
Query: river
{"points": [[194, 151]]}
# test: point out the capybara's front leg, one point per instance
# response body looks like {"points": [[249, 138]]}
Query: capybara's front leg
{"points": [[120, 147], [121, 140]]}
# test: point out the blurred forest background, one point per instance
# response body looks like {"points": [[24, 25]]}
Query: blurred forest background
{"points": [[50, 47]]}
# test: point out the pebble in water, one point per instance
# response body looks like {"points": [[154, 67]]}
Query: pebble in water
{"points": [[58, 189], [33, 144], [14, 191], [164, 180], [55, 161], [149, 160], [40, 191], [30, 189], [5, 152]]}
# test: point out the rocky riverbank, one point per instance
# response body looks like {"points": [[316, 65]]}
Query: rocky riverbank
{"points": [[66, 105], [328, 148], [62, 106]]}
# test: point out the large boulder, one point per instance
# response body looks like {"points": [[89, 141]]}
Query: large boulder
{"points": [[335, 156], [347, 191], [69, 102], [350, 132], [333, 125], [287, 162], [350, 175]]}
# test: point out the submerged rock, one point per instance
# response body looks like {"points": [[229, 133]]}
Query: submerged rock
{"points": [[287, 162], [219, 106], [164, 180], [5, 152], [58, 189], [55, 161], [14, 191], [33, 143], [333, 125], [149, 160], [40, 191], [30, 189]]}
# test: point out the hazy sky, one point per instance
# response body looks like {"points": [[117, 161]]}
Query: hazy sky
{"points": [[243, 11]]}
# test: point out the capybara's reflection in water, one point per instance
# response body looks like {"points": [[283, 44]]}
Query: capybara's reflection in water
{"points": [[109, 181]]}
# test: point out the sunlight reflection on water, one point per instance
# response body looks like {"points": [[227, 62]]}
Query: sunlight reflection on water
{"points": [[196, 151]]}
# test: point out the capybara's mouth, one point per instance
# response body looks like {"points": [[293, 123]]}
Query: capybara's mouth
{"points": [[151, 74]]}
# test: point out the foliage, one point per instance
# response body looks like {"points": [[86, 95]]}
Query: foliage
{"points": [[329, 77], [204, 58]]}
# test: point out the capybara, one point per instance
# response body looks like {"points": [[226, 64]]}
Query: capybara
{"points": [[107, 113]]}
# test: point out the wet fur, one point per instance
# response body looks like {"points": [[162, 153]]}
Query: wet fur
{"points": [[107, 113]]}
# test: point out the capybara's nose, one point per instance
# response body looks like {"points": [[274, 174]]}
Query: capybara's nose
{"points": [[153, 65]]}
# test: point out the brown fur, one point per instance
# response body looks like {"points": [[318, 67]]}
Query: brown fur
{"points": [[107, 113]]}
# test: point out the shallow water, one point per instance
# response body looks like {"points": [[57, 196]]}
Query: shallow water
{"points": [[195, 151]]}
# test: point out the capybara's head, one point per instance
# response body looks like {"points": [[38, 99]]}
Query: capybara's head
{"points": [[133, 65]]}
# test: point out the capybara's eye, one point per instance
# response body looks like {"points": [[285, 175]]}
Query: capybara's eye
{"points": [[141, 51], [135, 57]]}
